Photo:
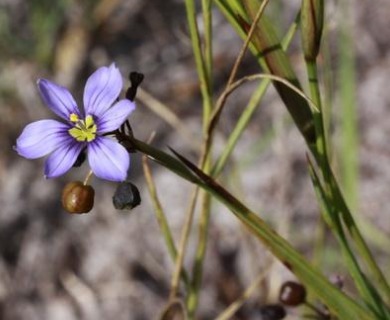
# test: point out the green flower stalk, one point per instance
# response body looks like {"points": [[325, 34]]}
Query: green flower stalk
{"points": [[312, 21]]}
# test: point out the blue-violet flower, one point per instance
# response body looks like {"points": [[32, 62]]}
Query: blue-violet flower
{"points": [[81, 129]]}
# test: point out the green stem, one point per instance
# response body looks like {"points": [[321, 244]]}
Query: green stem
{"points": [[208, 45], [161, 218], [321, 143], [183, 245], [204, 62], [348, 112], [205, 164], [322, 154], [201, 66], [193, 296]]}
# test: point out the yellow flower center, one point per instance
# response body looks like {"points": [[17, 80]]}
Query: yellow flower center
{"points": [[83, 130]]}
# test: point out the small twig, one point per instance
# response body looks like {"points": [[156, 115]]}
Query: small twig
{"points": [[183, 244], [257, 76], [240, 56]]}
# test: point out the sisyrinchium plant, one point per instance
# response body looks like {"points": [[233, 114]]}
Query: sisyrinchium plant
{"points": [[101, 129]]}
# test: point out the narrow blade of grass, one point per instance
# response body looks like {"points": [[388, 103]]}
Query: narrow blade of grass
{"points": [[366, 289], [340, 304]]}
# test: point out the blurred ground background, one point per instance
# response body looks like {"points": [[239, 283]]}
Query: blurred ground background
{"points": [[113, 265]]}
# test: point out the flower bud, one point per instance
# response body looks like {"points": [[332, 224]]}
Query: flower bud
{"points": [[292, 294], [135, 80], [126, 196], [312, 22], [77, 197]]}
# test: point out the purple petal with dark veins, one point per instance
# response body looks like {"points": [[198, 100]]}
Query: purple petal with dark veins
{"points": [[114, 116], [102, 89], [63, 158], [108, 159], [41, 138], [58, 99]]}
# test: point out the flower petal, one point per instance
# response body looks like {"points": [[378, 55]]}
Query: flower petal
{"points": [[57, 98], [114, 116], [101, 90], [63, 158], [41, 138], [108, 159]]}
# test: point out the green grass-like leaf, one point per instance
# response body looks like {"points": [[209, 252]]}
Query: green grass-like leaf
{"points": [[338, 302]]}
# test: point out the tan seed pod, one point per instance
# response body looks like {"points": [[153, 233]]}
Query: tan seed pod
{"points": [[77, 197]]}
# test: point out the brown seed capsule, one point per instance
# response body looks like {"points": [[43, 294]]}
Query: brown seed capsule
{"points": [[292, 294], [77, 197]]}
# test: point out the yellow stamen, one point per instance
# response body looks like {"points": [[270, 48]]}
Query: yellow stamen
{"points": [[89, 123], [74, 117], [84, 130]]}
